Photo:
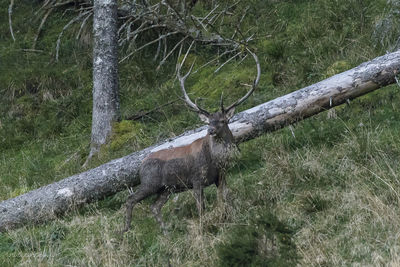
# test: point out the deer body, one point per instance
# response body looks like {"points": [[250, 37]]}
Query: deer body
{"points": [[201, 162], [179, 168], [194, 166]]}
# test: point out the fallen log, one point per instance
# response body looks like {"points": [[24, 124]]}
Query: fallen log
{"points": [[49, 201]]}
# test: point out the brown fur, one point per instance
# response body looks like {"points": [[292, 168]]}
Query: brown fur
{"points": [[177, 152]]}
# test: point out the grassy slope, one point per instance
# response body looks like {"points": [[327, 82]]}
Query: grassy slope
{"points": [[328, 196]]}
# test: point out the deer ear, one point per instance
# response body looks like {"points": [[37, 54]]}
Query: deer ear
{"points": [[204, 118], [230, 113]]}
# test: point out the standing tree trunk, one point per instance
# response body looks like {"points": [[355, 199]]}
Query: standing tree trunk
{"points": [[105, 73]]}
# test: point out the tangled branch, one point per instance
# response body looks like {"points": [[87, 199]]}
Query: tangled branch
{"points": [[175, 21], [164, 22]]}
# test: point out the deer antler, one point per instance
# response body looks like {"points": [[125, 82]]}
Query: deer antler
{"points": [[221, 103], [182, 79], [255, 83]]}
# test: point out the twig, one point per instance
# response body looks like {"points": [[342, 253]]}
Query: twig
{"points": [[40, 27], [226, 62], [240, 62], [200, 20], [158, 50], [32, 50], [123, 26], [196, 19], [10, 10], [83, 25], [170, 52], [165, 2], [216, 58], [128, 32], [66, 27], [187, 53], [60, 4], [149, 43], [165, 47], [212, 11], [142, 114], [148, 28], [240, 22], [42, 7]]}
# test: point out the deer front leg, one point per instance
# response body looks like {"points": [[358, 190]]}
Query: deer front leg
{"points": [[156, 209], [199, 196], [222, 189]]}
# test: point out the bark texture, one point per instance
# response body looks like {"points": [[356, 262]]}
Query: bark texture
{"points": [[49, 201], [105, 72]]}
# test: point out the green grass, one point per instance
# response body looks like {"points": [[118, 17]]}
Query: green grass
{"points": [[325, 192]]}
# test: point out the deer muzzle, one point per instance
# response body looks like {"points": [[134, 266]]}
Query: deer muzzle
{"points": [[212, 131]]}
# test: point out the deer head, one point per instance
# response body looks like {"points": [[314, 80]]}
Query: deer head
{"points": [[218, 121]]}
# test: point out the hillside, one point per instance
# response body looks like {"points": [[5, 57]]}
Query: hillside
{"points": [[323, 192]]}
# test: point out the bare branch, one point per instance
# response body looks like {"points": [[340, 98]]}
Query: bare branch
{"points": [[165, 2], [46, 2], [212, 11], [142, 114], [149, 28], [124, 25], [145, 45], [214, 59], [40, 27], [170, 52], [240, 22], [200, 22], [83, 25], [226, 62], [10, 10], [60, 4], [172, 20], [32, 50], [165, 47], [166, 17], [72, 21], [158, 49], [240, 62]]}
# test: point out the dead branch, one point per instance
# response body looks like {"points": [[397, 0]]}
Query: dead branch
{"points": [[83, 25], [72, 21], [170, 52], [41, 26], [147, 44], [10, 10], [165, 19], [142, 114], [32, 50]]}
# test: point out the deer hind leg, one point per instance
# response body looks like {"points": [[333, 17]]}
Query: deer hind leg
{"points": [[140, 194], [156, 209]]}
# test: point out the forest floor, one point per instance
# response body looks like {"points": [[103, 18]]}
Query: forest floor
{"points": [[323, 192]]}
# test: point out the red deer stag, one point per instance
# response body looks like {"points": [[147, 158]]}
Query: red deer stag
{"points": [[196, 165]]}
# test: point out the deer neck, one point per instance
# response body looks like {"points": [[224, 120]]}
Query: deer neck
{"points": [[222, 148]]}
